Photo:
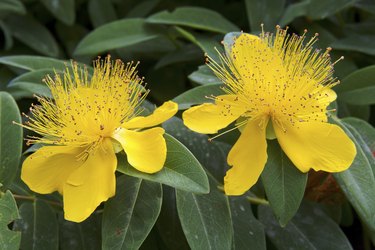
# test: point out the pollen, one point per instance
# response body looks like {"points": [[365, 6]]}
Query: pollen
{"points": [[86, 108], [277, 76]]}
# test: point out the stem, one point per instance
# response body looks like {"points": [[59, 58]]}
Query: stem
{"points": [[258, 201], [33, 198]]}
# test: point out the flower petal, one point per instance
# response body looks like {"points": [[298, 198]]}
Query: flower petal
{"points": [[161, 114], [247, 158], [97, 183], [46, 170], [316, 145], [251, 56], [146, 150], [208, 118]]}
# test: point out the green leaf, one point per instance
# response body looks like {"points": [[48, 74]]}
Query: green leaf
{"points": [[81, 236], [12, 6], [358, 182], [143, 9], [205, 219], [181, 169], [293, 11], [32, 82], [194, 17], [358, 88], [129, 216], [10, 138], [9, 240], [38, 225], [322, 9], [365, 130], [101, 12], [198, 95], [33, 34], [114, 35], [311, 229], [355, 42], [61, 9], [32, 63], [283, 182], [204, 76], [7, 33], [267, 12], [248, 231], [184, 55], [209, 154]]}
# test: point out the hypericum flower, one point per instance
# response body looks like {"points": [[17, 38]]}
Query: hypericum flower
{"points": [[276, 87], [87, 122]]}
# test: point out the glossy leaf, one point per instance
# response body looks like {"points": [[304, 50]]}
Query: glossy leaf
{"points": [[365, 130], [359, 87], [198, 95], [129, 216], [205, 219], [181, 169], [142, 9], [267, 12], [194, 17], [114, 35], [38, 225], [311, 229], [248, 231], [10, 138], [9, 239], [321, 9], [204, 76], [358, 43], [62, 9], [184, 55], [32, 63], [358, 182], [283, 182], [32, 33], [293, 11]]}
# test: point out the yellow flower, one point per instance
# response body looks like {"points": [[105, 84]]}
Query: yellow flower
{"points": [[87, 123], [276, 87]]}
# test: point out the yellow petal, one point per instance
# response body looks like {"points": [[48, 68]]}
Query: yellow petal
{"points": [[146, 150], [91, 184], [316, 145], [208, 118], [247, 158], [161, 114], [256, 63], [46, 170]]}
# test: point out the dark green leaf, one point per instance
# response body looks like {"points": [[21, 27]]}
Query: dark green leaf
{"points": [[101, 12], [194, 17], [32, 33], [267, 12], [9, 240], [38, 225], [365, 130], [293, 11], [32, 63], [32, 82], [114, 35], [209, 154], [181, 169], [321, 9], [204, 75], [198, 95], [7, 33], [12, 6], [129, 216], [359, 87], [283, 182], [358, 43], [205, 219], [311, 229], [10, 138], [143, 9], [81, 236], [248, 231], [61, 9], [183, 55], [358, 182]]}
